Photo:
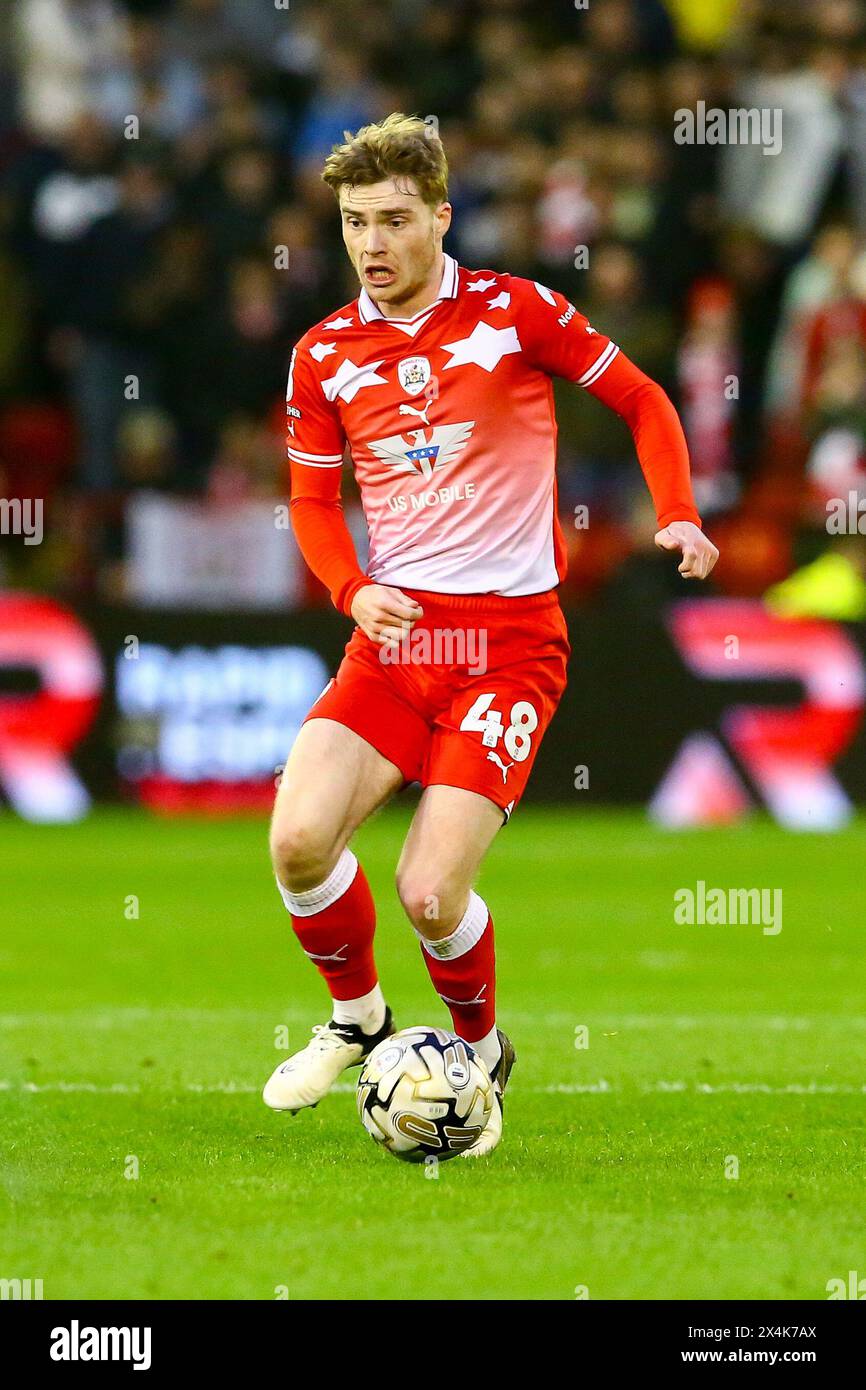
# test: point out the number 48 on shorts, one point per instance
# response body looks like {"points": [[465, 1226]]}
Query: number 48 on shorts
{"points": [[516, 735]]}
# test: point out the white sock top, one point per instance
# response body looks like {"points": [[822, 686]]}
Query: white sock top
{"points": [[313, 900], [466, 934]]}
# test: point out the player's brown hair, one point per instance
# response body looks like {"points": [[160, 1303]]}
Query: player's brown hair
{"points": [[398, 147]]}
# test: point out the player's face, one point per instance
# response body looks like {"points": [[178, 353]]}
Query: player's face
{"points": [[394, 240]]}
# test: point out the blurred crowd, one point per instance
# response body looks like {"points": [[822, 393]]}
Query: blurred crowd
{"points": [[165, 238]]}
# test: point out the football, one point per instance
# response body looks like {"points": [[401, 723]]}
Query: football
{"points": [[424, 1093]]}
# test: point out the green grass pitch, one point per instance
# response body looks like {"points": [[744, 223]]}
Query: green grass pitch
{"points": [[149, 1039]]}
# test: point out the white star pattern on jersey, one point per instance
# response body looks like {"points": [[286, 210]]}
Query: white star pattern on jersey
{"points": [[546, 294], [485, 346], [349, 379], [455, 468], [502, 301], [446, 440]]}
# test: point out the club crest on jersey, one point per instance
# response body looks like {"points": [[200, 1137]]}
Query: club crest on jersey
{"points": [[413, 373], [420, 451]]}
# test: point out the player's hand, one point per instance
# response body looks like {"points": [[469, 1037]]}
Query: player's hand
{"points": [[385, 614], [699, 553]]}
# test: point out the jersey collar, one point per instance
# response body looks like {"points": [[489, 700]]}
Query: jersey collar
{"points": [[369, 310]]}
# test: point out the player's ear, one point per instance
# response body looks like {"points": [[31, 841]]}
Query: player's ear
{"points": [[443, 217]]}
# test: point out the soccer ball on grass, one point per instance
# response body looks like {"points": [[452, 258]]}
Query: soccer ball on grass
{"points": [[424, 1093]]}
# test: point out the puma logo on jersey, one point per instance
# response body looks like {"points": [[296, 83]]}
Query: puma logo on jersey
{"points": [[412, 410], [503, 767], [421, 451]]}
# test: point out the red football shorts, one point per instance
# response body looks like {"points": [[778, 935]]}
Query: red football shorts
{"points": [[465, 700]]}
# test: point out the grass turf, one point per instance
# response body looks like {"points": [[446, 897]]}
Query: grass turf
{"points": [[150, 1037]]}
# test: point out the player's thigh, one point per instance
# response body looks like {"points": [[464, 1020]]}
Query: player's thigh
{"points": [[332, 782], [488, 735], [451, 832]]}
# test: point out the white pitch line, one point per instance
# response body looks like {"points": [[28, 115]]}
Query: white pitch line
{"points": [[705, 1088], [119, 1018], [600, 1087]]}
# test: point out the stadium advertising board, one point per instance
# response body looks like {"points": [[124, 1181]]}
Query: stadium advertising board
{"points": [[703, 710]]}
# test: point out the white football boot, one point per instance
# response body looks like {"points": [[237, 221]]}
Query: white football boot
{"points": [[492, 1132], [309, 1075]]}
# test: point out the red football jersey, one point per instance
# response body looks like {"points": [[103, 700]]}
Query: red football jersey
{"points": [[449, 419]]}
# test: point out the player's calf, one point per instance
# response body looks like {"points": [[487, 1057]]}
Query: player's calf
{"points": [[334, 922], [462, 966]]}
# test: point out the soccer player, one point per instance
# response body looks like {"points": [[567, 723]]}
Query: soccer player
{"points": [[438, 379]]}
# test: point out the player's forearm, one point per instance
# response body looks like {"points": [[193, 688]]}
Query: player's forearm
{"points": [[327, 546], [664, 458], [658, 438]]}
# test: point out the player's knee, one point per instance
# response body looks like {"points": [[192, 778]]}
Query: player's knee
{"points": [[428, 901], [302, 854]]}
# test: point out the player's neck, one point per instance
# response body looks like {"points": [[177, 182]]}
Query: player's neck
{"points": [[423, 297]]}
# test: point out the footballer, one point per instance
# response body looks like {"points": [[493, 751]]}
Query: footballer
{"points": [[438, 381]]}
